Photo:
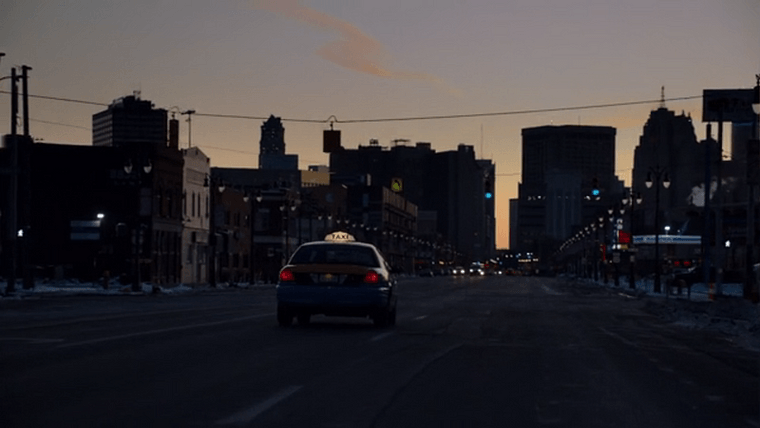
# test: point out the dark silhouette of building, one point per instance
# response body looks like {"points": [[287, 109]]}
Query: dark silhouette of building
{"points": [[669, 144], [452, 184], [134, 128], [568, 177], [80, 199], [272, 147], [129, 120]]}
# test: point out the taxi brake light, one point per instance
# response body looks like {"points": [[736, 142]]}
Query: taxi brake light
{"points": [[371, 277], [287, 275]]}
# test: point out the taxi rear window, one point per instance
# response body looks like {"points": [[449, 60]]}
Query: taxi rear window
{"points": [[335, 254]]}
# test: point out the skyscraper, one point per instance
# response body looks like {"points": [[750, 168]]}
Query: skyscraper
{"points": [[272, 147], [669, 144], [129, 120], [561, 166]]}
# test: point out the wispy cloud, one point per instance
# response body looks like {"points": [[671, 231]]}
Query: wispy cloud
{"points": [[354, 49]]}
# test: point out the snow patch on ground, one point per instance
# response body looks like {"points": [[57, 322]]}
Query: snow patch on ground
{"points": [[732, 315]]}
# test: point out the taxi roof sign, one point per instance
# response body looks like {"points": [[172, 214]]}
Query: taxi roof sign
{"points": [[339, 237]]}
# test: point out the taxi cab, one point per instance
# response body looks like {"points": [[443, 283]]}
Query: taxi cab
{"points": [[336, 277]]}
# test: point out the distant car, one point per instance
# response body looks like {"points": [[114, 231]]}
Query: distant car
{"points": [[477, 271], [336, 277], [459, 270]]}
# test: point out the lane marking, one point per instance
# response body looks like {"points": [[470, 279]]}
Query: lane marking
{"points": [[617, 336], [247, 415], [96, 318], [550, 291], [30, 340], [163, 330], [381, 336]]}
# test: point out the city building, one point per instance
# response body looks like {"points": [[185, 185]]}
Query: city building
{"points": [[195, 209], [100, 212], [272, 147], [568, 178], [453, 184], [232, 225], [129, 120], [668, 147], [138, 131]]}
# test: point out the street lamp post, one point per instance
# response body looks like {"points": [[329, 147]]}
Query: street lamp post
{"points": [[656, 176], [139, 226], [258, 198], [633, 198], [286, 210], [213, 186]]}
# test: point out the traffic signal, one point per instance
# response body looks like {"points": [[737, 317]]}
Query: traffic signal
{"points": [[595, 187], [488, 188]]}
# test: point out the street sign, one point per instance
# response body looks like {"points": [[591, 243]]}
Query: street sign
{"points": [[85, 230], [668, 239], [397, 185]]}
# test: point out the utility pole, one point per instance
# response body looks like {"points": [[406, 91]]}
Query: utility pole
{"points": [[189, 114], [26, 186], [13, 193], [24, 78]]}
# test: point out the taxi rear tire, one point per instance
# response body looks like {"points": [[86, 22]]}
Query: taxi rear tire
{"points": [[284, 316]]}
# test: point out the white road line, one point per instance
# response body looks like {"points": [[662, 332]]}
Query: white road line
{"points": [[617, 336], [421, 317], [30, 340], [381, 336], [247, 415], [163, 330]]}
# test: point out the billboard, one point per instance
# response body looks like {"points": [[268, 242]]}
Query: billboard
{"points": [[728, 105]]}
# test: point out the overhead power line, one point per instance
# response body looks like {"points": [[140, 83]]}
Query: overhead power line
{"points": [[334, 119], [68, 100], [517, 112]]}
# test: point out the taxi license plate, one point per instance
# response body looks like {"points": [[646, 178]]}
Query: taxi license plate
{"points": [[329, 278]]}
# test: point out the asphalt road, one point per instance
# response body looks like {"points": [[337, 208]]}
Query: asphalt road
{"points": [[470, 352]]}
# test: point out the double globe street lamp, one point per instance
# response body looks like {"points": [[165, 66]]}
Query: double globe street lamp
{"points": [[633, 199], [655, 177]]}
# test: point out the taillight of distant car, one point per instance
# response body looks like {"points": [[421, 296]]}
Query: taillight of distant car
{"points": [[371, 277], [286, 275]]}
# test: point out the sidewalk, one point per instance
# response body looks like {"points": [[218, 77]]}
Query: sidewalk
{"points": [[729, 313], [76, 288]]}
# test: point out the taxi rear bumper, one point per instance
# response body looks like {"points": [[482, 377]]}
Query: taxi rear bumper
{"points": [[335, 300]]}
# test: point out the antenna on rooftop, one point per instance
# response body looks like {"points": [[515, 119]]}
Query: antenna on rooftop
{"points": [[662, 97]]}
